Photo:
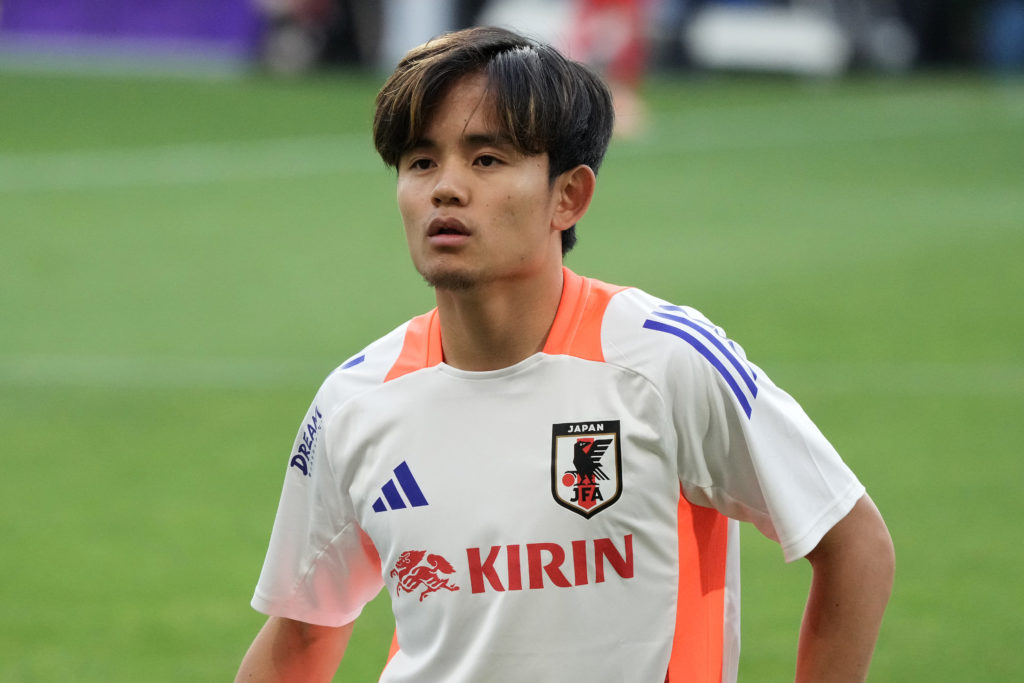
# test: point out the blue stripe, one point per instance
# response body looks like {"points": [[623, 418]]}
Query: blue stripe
{"points": [[731, 355], [391, 493], [710, 357], [355, 361], [739, 352], [378, 505], [409, 485]]}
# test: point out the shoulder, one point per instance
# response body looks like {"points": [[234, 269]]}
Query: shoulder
{"points": [[364, 371], [640, 328], [674, 344], [355, 376]]}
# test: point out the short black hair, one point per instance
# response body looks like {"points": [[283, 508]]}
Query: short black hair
{"points": [[544, 102]]}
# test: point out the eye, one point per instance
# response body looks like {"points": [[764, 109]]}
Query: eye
{"points": [[421, 164], [487, 161]]}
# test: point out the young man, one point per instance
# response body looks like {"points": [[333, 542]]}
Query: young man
{"points": [[545, 472]]}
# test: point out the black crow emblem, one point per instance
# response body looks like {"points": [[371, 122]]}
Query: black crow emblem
{"points": [[586, 458]]}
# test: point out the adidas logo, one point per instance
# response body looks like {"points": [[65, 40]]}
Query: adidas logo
{"points": [[393, 498]]}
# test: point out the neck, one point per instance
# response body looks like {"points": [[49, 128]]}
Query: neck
{"points": [[495, 325]]}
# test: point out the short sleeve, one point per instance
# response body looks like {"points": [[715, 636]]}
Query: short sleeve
{"points": [[747, 449], [320, 568]]}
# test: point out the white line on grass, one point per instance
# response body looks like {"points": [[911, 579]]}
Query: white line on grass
{"points": [[831, 379], [689, 131], [107, 372], [912, 379], [692, 134], [186, 163]]}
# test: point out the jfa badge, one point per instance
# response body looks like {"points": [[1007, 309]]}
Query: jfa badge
{"points": [[586, 465]]}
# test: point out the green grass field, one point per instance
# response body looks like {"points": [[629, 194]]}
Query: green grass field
{"points": [[182, 261]]}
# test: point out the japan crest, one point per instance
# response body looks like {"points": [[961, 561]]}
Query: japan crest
{"points": [[586, 465]]}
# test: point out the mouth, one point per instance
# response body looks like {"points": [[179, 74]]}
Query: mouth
{"points": [[442, 227]]}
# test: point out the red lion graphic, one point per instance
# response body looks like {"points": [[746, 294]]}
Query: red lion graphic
{"points": [[412, 575]]}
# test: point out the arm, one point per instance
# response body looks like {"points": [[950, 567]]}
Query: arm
{"points": [[853, 567], [287, 650]]}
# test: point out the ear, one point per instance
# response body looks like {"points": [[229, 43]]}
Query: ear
{"points": [[573, 191]]}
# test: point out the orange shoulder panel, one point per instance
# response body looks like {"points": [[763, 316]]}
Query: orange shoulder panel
{"points": [[576, 330], [421, 348]]}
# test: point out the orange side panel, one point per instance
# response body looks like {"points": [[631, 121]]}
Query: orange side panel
{"points": [[698, 644], [393, 650]]}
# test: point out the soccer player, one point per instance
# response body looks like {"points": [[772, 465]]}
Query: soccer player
{"points": [[546, 472]]}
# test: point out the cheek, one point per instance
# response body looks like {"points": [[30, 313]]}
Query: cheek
{"points": [[527, 203], [406, 206]]}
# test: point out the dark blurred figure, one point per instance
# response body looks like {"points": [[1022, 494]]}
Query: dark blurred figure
{"points": [[1003, 35], [467, 11], [303, 34], [960, 33], [353, 32], [944, 30]]}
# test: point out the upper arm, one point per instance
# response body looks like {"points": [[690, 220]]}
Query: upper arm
{"points": [[860, 538], [290, 650]]}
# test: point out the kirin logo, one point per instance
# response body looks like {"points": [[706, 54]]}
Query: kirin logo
{"points": [[414, 574]]}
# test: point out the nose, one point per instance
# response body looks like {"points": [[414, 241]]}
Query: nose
{"points": [[450, 188]]}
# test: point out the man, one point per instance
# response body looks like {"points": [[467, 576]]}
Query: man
{"points": [[546, 472]]}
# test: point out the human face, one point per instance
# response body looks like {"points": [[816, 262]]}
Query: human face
{"points": [[476, 210]]}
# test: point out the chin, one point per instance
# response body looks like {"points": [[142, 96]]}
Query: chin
{"points": [[452, 280]]}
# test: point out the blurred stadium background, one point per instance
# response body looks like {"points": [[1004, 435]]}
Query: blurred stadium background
{"points": [[195, 230]]}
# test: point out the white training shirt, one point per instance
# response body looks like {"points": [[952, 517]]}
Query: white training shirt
{"points": [[561, 519]]}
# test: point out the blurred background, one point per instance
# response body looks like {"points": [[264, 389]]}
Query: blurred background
{"points": [[195, 230], [297, 36]]}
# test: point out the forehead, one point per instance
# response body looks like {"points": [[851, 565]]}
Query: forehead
{"points": [[467, 104]]}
